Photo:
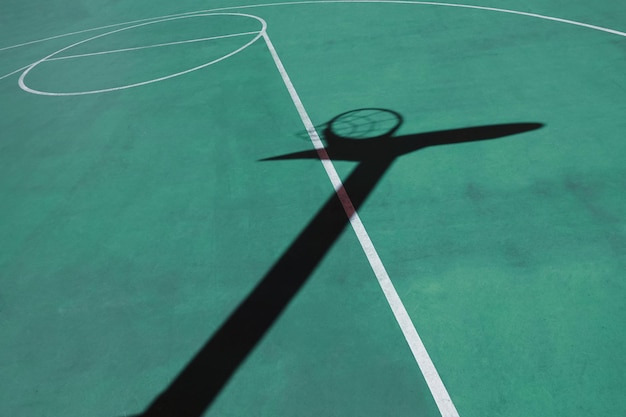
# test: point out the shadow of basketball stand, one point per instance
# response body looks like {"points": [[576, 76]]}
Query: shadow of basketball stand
{"points": [[199, 383]]}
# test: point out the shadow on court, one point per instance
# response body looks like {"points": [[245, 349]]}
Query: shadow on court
{"points": [[365, 136]]}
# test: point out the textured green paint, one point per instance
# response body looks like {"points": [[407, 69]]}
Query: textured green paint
{"points": [[132, 223]]}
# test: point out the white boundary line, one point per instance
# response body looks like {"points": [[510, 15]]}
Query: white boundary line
{"points": [[15, 72], [19, 45], [435, 384]]}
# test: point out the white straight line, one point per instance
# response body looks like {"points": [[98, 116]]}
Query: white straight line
{"points": [[152, 46], [15, 72], [435, 384], [75, 33]]}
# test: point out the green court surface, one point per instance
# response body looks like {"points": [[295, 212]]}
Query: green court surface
{"points": [[172, 245]]}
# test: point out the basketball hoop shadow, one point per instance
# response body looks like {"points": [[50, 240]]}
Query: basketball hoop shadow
{"points": [[199, 383]]}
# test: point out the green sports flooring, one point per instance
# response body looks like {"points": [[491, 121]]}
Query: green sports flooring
{"points": [[134, 222]]}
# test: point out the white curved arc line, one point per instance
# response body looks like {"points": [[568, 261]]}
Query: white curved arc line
{"points": [[429, 3], [24, 87], [114, 51], [466, 6]]}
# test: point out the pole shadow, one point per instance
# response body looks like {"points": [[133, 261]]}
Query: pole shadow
{"points": [[363, 135]]}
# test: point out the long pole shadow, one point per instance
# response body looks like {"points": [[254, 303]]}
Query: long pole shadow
{"points": [[202, 379]]}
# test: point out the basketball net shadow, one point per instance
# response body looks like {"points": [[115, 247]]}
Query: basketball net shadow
{"points": [[202, 379]]}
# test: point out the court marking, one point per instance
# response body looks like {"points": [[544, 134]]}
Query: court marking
{"points": [[424, 362], [26, 88], [159, 45], [355, 221], [15, 72]]}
